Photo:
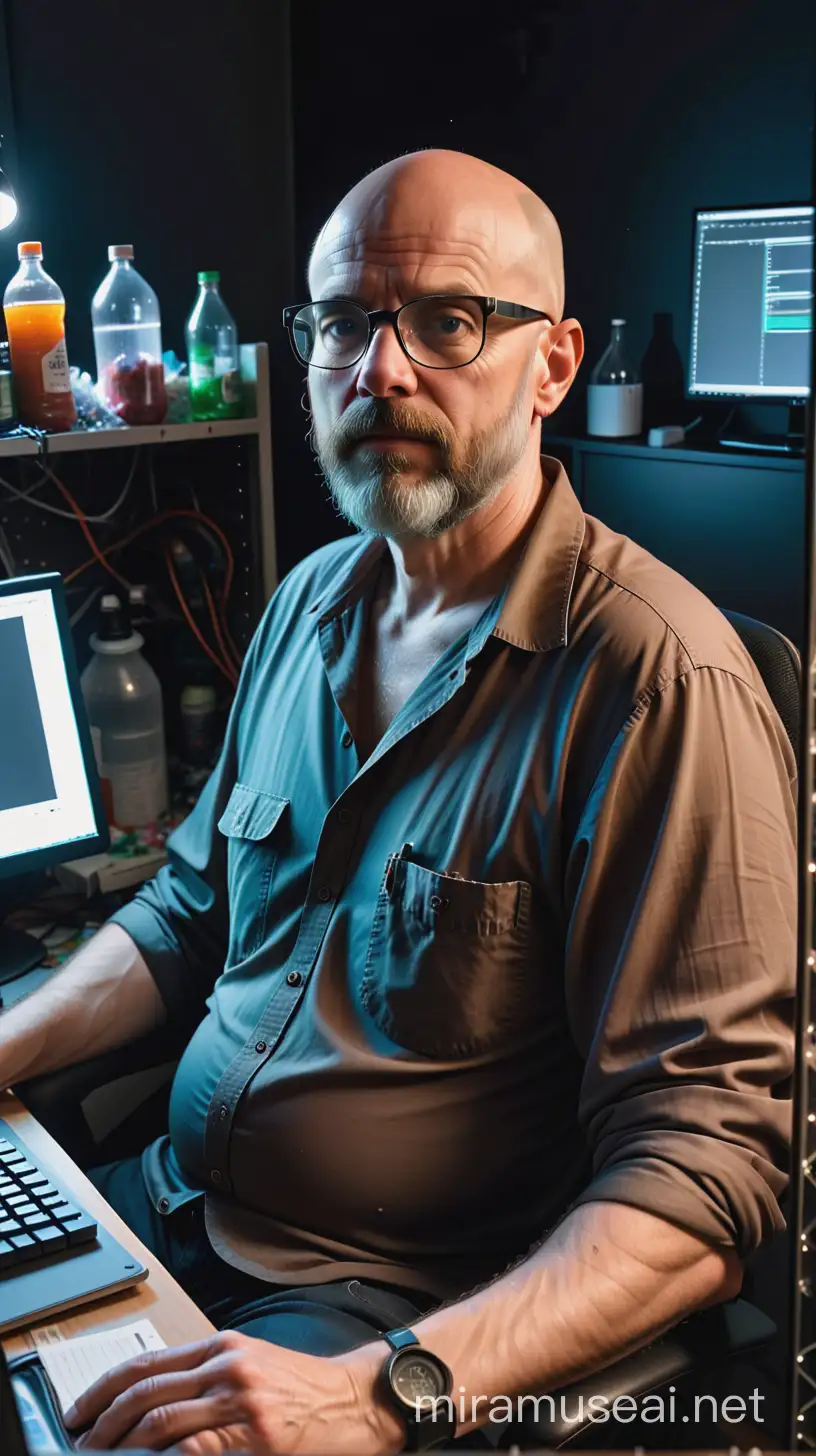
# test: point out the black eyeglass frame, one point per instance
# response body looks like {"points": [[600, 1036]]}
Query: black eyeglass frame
{"points": [[489, 305]]}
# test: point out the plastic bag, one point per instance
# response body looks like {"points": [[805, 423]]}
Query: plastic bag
{"points": [[92, 412], [177, 385]]}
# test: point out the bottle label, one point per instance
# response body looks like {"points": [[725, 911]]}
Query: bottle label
{"points": [[231, 387], [201, 371], [614, 409], [139, 791], [56, 376], [7, 410]]}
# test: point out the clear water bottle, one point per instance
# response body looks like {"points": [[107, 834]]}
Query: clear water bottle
{"points": [[127, 338], [615, 391], [212, 355], [123, 697]]}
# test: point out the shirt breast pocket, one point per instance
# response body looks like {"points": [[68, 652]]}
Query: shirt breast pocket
{"points": [[448, 970], [251, 824]]}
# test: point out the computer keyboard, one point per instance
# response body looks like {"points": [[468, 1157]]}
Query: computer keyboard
{"points": [[36, 1217]]}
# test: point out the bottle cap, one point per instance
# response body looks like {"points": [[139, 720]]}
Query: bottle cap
{"points": [[120, 250], [196, 695], [616, 322], [115, 636], [29, 250], [114, 622], [209, 277]]}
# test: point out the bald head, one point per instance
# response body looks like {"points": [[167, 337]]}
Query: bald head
{"points": [[461, 218]]}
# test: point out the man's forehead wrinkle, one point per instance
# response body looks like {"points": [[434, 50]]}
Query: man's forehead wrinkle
{"points": [[409, 251], [353, 244]]}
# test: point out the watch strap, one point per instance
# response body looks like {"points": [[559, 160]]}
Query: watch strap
{"points": [[398, 1339]]}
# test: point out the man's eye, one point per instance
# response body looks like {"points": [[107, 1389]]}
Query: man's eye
{"points": [[449, 325], [339, 328]]}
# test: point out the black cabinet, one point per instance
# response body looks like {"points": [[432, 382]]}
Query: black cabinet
{"points": [[732, 522]]}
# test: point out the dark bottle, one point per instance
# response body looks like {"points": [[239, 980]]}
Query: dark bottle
{"points": [[8, 407], [664, 380]]}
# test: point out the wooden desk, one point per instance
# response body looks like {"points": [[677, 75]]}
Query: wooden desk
{"points": [[158, 1298]]}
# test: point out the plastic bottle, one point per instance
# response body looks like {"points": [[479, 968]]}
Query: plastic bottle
{"points": [[615, 392], [127, 339], [212, 355], [34, 310], [123, 697], [199, 724]]}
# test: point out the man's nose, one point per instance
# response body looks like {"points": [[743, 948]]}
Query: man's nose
{"points": [[386, 369]]}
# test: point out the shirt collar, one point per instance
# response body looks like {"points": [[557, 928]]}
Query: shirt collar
{"points": [[533, 610]]}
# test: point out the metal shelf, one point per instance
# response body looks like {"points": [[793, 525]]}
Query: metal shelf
{"points": [[130, 436]]}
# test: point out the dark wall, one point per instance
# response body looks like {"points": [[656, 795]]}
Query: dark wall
{"points": [[623, 117], [166, 125]]}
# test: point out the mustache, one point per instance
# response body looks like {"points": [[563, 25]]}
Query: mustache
{"points": [[375, 417]]}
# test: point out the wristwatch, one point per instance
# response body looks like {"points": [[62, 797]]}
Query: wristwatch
{"points": [[418, 1386]]}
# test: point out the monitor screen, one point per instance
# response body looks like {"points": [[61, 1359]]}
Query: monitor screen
{"points": [[752, 303], [50, 806]]}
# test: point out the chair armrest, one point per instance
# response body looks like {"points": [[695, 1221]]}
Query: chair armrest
{"points": [[56, 1098], [706, 1339]]}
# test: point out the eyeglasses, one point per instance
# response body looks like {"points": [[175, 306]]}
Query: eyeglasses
{"points": [[439, 331]]}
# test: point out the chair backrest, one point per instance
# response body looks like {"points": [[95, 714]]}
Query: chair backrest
{"points": [[779, 666]]}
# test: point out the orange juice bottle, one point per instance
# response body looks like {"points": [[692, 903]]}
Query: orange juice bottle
{"points": [[34, 310]]}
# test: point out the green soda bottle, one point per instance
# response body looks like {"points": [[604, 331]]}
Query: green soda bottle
{"points": [[216, 391]]}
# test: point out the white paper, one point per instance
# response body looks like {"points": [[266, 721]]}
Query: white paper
{"points": [[75, 1364]]}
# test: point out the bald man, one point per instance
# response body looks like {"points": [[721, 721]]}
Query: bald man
{"points": [[483, 929]]}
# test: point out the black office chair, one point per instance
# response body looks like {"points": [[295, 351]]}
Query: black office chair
{"points": [[706, 1341], [779, 667]]}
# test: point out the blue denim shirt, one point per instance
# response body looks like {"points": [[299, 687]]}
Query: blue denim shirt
{"points": [[538, 948]]}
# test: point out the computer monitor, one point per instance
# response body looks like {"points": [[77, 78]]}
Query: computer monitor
{"points": [[752, 309], [50, 797]]}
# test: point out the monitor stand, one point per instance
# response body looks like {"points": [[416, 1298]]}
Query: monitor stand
{"points": [[19, 953], [792, 443]]}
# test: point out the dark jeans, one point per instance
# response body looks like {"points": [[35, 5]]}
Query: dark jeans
{"points": [[318, 1319]]}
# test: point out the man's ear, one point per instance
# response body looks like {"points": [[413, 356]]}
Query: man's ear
{"points": [[560, 352]]}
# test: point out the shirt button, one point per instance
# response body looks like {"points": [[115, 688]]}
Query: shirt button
{"points": [[293, 978], [223, 1112], [347, 739], [343, 816], [260, 1046], [215, 1176], [324, 893], [164, 1205]]}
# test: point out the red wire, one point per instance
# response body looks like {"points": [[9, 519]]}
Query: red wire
{"points": [[229, 574], [216, 627], [229, 673], [98, 553], [158, 520]]}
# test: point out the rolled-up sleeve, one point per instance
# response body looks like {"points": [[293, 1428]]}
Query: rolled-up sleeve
{"points": [[180, 919], [681, 960]]}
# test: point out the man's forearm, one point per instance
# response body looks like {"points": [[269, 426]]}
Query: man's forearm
{"points": [[609, 1280], [103, 998]]}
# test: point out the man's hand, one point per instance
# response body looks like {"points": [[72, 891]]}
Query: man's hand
{"points": [[234, 1393]]}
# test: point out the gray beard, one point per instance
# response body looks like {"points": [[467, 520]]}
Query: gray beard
{"points": [[369, 491]]}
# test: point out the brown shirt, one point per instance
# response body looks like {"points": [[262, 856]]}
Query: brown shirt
{"points": [[538, 949]]}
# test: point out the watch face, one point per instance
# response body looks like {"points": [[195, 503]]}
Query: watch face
{"points": [[417, 1380]]}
